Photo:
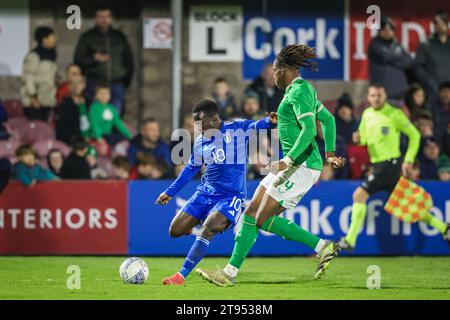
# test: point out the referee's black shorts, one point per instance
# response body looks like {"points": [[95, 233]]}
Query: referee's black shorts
{"points": [[384, 176]]}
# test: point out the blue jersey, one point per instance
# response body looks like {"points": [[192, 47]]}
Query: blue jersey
{"points": [[225, 156]]}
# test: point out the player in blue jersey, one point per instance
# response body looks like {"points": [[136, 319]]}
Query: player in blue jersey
{"points": [[216, 205]]}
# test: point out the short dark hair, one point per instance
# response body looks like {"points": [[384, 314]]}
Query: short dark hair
{"points": [[377, 86], [145, 159], [424, 115], [206, 106], [25, 149], [121, 162], [79, 143], [101, 87], [102, 8], [41, 33], [220, 79], [444, 85], [148, 120]]}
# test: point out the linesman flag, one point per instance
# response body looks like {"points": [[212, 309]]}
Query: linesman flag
{"points": [[409, 202]]}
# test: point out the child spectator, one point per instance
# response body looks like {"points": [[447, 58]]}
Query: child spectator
{"points": [[345, 120], [76, 165], [26, 170], [146, 168], [55, 161], [424, 122], [73, 71], [121, 168], [39, 69], [429, 159], [444, 168], [415, 100], [224, 99], [149, 142], [250, 107], [71, 114], [103, 118]]}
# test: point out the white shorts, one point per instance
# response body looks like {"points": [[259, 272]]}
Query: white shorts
{"points": [[297, 182]]}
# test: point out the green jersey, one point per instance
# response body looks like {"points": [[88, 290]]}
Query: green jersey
{"points": [[297, 115], [380, 131], [103, 118]]}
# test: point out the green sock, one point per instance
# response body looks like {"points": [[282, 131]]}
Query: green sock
{"points": [[244, 241], [435, 223], [357, 221], [290, 231]]}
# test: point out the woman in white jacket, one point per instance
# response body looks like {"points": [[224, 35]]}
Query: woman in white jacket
{"points": [[38, 89]]}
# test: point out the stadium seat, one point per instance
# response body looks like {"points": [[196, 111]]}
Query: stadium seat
{"points": [[31, 131], [8, 148], [330, 104], [44, 146], [106, 164], [358, 159], [132, 128], [13, 108]]}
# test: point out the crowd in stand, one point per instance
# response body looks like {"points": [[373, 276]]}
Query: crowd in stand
{"points": [[87, 138]]}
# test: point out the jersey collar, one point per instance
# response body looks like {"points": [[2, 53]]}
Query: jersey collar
{"points": [[292, 82]]}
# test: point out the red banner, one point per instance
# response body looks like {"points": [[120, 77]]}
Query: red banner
{"points": [[64, 218], [413, 21]]}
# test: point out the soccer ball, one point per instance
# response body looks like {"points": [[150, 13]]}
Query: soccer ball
{"points": [[134, 271]]}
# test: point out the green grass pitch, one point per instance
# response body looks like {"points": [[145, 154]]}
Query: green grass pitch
{"points": [[260, 278]]}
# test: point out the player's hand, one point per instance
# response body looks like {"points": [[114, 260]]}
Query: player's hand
{"points": [[336, 162], [406, 169], [163, 199], [356, 137], [276, 166], [273, 118]]}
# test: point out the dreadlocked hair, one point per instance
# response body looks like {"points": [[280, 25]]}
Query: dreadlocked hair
{"points": [[298, 56]]}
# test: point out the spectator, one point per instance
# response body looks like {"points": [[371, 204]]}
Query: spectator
{"points": [[146, 168], [388, 61], [424, 122], [224, 99], [27, 170], [71, 114], [38, 89], [105, 57], [4, 135], [433, 57], [76, 165], [250, 107], [346, 123], [103, 118], [55, 161], [444, 168], [121, 168], [446, 142], [415, 100], [269, 95], [73, 71], [97, 172], [441, 111], [429, 159], [149, 142]]}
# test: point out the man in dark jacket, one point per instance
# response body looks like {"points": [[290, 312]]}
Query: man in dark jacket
{"points": [[388, 61], [105, 56], [269, 95], [76, 166], [148, 142], [433, 57]]}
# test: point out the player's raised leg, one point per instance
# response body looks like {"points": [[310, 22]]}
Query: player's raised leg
{"points": [[215, 223]]}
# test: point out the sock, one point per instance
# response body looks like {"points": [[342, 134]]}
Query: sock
{"points": [[290, 231], [320, 245], [197, 252], [357, 221], [244, 241], [434, 222], [231, 270]]}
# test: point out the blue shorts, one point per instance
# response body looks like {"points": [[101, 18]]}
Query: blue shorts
{"points": [[200, 205]]}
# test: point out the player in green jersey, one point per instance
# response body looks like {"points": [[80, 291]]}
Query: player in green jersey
{"points": [[290, 178], [379, 130]]}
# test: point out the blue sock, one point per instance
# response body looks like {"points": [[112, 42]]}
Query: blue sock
{"points": [[197, 252]]}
